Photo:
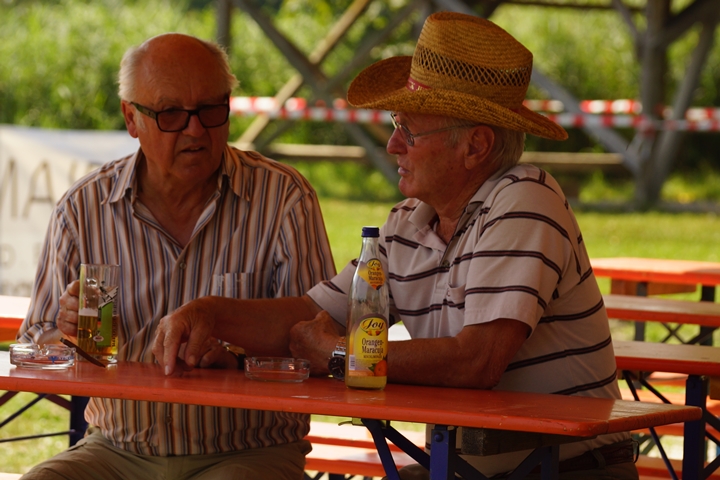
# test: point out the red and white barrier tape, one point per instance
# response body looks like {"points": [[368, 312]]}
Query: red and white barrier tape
{"points": [[242, 105], [569, 120]]}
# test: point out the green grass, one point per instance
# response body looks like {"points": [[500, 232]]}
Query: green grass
{"points": [[43, 417], [659, 235]]}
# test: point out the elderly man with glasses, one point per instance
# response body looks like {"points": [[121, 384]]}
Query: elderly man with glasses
{"points": [[182, 214], [485, 261]]}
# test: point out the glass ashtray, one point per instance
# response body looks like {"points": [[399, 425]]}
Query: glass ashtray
{"points": [[277, 369], [49, 357]]}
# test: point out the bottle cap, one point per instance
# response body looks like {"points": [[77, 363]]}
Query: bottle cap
{"points": [[370, 232]]}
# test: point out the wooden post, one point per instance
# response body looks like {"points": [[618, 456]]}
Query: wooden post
{"points": [[223, 16], [652, 55]]}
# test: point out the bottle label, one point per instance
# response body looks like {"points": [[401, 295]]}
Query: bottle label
{"points": [[368, 354], [372, 272]]}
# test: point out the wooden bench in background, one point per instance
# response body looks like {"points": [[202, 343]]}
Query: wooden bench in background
{"points": [[697, 362], [666, 311], [12, 313], [340, 450]]}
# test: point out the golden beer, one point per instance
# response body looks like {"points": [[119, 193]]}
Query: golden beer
{"points": [[98, 319]]}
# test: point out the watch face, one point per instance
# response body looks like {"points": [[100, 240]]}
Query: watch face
{"points": [[337, 367]]}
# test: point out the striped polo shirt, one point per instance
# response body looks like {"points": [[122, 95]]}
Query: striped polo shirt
{"points": [[262, 231], [517, 253]]}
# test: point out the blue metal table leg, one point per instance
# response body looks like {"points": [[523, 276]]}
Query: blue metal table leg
{"points": [[694, 432], [442, 451], [444, 462], [375, 428], [78, 425]]}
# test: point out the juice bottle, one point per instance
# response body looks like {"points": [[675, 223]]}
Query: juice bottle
{"points": [[367, 319]]}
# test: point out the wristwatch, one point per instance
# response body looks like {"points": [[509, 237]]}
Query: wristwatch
{"points": [[336, 364]]}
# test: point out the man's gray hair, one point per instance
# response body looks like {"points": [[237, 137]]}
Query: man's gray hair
{"points": [[133, 58], [506, 150]]}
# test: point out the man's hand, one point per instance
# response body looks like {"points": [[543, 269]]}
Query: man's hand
{"points": [[213, 354], [191, 324], [315, 340], [67, 319]]}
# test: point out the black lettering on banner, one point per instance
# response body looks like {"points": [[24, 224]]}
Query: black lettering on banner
{"points": [[33, 196], [9, 187]]}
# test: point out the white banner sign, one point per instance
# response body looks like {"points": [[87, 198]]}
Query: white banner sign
{"points": [[37, 166]]}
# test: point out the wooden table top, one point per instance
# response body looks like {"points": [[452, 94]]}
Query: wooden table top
{"points": [[671, 358], [657, 270], [513, 411]]}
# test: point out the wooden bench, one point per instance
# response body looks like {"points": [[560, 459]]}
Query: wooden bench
{"points": [[349, 450], [667, 312], [12, 313], [652, 468], [664, 310], [695, 361]]}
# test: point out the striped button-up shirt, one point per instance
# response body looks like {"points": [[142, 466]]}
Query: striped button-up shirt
{"points": [[261, 231]]}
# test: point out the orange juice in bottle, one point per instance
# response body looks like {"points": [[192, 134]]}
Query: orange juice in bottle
{"points": [[367, 320]]}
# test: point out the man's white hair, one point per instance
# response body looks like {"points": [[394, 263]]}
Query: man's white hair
{"points": [[133, 58]]}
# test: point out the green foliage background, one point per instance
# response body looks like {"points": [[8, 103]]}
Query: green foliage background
{"points": [[59, 62], [58, 67]]}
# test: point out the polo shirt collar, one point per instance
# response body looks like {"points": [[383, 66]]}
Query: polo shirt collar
{"points": [[424, 213]]}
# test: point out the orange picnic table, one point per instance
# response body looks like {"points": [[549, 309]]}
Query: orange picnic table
{"points": [[658, 271], [546, 419], [698, 362], [653, 276]]}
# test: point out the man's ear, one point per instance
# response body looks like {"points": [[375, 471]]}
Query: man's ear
{"points": [[129, 114], [480, 143]]}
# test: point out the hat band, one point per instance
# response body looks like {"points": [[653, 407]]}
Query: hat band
{"points": [[413, 85]]}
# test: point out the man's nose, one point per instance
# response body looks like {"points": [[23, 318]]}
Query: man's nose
{"points": [[194, 127], [396, 143]]}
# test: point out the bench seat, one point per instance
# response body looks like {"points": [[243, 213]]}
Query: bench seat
{"points": [[651, 468], [349, 449], [664, 310]]}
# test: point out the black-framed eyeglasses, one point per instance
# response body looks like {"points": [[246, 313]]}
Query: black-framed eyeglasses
{"points": [[410, 137], [177, 119]]}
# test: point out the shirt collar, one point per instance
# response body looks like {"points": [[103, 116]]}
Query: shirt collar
{"points": [[126, 184], [424, 214]]}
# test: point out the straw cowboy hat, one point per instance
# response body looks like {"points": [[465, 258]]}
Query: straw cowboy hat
{"points": [[463, 67]]}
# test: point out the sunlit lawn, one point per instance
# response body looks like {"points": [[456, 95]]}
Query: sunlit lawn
{"points": [[659, 235]]}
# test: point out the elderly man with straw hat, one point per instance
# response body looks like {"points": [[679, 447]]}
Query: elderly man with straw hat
{"points": [[486, 264]]}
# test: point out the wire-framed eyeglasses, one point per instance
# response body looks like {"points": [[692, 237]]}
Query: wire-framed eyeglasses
{"points": [[177, 119], [410, 137]]}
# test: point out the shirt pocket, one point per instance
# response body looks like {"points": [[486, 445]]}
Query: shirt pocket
{"points": [[232, 285], [455, 296]]}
